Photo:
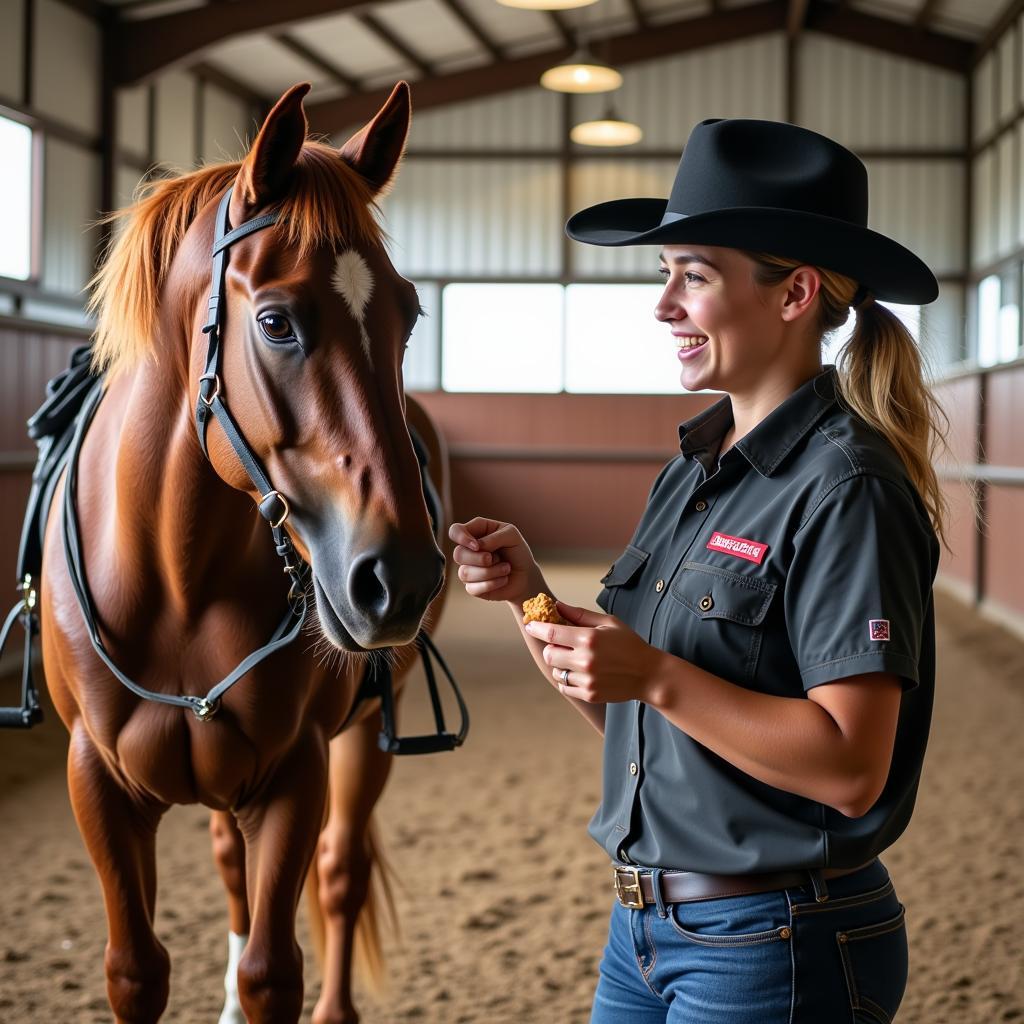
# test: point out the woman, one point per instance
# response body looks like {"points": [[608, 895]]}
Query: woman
{"points": [[763, 674]]}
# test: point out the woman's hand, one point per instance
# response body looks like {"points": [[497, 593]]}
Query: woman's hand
{"points": [[494, 561], [607, 661]]}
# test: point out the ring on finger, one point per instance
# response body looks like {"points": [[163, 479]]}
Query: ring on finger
{"points": [[564, 675]]}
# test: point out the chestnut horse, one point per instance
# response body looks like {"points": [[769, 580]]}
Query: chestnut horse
{"points": [[186, 582]]}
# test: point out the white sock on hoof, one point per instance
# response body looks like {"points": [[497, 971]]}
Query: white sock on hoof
{"points": [[232, 1012]]}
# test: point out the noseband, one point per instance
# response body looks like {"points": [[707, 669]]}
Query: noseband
{"points": [[77, 387]]}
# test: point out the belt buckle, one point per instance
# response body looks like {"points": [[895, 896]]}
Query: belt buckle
{"points": [[622, 889]]}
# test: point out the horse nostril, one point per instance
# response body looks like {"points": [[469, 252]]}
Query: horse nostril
{"points": [[365, 587]]}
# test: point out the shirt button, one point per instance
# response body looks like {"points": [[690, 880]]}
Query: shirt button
{"points": [[706, 602], [700, 506], [659, 586], [633, 768]]}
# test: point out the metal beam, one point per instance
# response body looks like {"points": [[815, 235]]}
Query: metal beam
{"points": [[492, 79], [999, 26], [662, 40], [641, 18], [562, 28], [376, 26], [924, 13], [148, 45], [900, 38], [311, 57], [473, 27], [795, 17]]}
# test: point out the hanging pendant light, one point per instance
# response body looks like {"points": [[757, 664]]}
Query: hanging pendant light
{"points": [[610, 130], [546, 5], [582, 72]]}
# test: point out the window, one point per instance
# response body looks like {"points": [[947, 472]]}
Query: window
{"points": [[614, 344], [502, 337], [16, 208]]}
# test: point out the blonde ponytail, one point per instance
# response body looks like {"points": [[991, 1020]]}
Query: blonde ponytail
{"points": [[880, 379]]}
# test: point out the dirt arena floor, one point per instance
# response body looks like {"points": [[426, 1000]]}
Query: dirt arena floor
{"points": [[470, 832]]}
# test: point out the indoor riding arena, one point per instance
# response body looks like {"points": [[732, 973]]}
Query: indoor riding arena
{"points": [[396, 766]]}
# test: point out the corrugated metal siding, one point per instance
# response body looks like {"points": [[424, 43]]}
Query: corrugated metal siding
{"points": [[71, 190], [525, 119], [66, 70], [124, 186], [12, 17], [175, 119], [1008, 196], [596, 181], [1019, 132], [867, 99], [133, 119], [919, 204], [227, 122], [984, 114], [982, 210], [668, 97], [942, 329], [475, 218], [1007, 85]]}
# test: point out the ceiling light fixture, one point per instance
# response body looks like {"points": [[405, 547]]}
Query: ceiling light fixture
{"points": [[582, 72], [610, 130], [546, 5]]}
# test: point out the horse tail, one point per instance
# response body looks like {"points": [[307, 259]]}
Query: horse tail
{"points": [[368, 949]]}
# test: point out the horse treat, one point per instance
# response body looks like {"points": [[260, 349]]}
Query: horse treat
{"points": [[542, 608]]}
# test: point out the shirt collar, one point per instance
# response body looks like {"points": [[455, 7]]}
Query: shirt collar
{"points": [[771, 440]]}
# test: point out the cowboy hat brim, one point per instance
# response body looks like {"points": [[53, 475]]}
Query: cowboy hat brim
{"points": [[891, 271]]}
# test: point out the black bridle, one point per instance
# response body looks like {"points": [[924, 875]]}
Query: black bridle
{"points": [[274, 508]]}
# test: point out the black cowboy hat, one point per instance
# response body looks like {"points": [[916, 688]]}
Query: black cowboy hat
{"points": [[774, 187]]}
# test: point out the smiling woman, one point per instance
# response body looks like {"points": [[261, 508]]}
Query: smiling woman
{"points": [[762, 668]]}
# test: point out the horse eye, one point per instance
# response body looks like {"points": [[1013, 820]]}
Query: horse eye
{"points": [[276, 327]]}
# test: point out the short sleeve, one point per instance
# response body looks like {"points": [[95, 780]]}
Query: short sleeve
{"points": [[858, 586]]}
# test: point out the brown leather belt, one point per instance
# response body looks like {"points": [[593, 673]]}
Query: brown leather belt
{"points": [[633, 886]]}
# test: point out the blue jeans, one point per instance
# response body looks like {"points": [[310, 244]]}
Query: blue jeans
{"points": [[777, 957]]}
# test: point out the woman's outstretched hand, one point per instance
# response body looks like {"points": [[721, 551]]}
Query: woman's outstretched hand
{"points": [[495, 562], [607, 661]]}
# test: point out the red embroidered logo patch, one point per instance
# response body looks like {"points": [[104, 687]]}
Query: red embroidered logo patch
{"points": [[752, 550], [878, 629]]}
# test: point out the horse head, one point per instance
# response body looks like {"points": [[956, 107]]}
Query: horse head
{"points": [[314, 324]]}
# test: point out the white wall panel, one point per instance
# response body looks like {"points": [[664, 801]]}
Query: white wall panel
{"points": [[133, 119], [1007, 84], [942, 330], [597, 181], [12, 17], [982, 243], [867, 99], [984, 113], [227, 121], [1008, 194], [175, 119], [67, 67], [125, 181], [71, 186], [475, 218], [525, 119], [1019, 132], [919, 203], [668, 97]]}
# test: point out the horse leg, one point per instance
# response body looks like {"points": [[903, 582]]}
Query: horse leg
{"points": [[119, 831], [358, 771], [280, 830], [229, 855]]}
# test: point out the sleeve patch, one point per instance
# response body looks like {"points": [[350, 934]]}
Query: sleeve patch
{"points": [[878, 629]]}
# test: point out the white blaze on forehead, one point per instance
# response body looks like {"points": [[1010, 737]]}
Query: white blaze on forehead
{"points": [[353, 280]]}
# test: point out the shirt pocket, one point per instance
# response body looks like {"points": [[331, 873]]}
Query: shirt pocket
{"points": [[623, 575], [716, 619]]}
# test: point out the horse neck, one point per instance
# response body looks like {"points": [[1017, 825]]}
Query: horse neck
{"points": [[177, 518]]}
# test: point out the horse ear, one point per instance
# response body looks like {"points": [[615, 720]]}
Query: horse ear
{"points": [[265, 169], [376, 149]]}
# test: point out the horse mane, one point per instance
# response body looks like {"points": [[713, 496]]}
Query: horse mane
{"points": [[327, 201]]}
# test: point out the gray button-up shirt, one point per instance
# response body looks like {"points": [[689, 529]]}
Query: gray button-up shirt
{"points": [[804, 556]]}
